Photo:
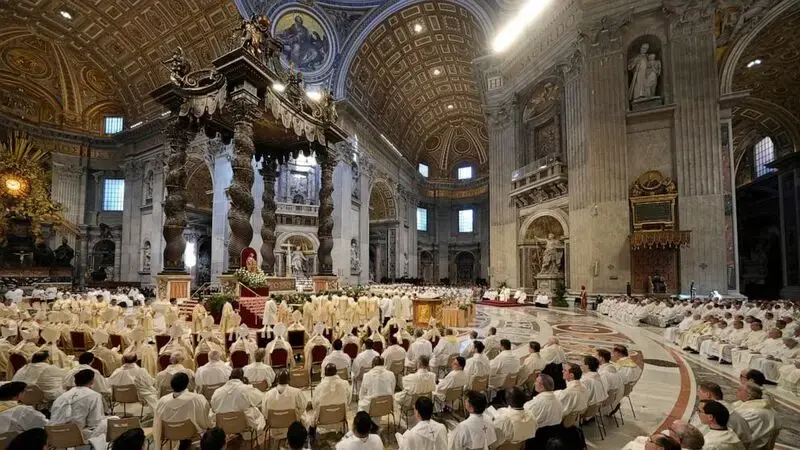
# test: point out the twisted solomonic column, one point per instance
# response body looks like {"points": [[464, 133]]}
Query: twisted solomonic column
{"points": [[244, 113], [325, 215], [268, 217], [177, 135]]}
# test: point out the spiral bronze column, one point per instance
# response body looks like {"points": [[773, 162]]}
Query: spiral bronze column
{"points": [[177, 135], [240, 193], [268, 211], [327, 163]]}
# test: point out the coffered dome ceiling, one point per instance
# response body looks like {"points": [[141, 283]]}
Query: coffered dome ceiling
{"points": [[106, 56], [412, 77]]}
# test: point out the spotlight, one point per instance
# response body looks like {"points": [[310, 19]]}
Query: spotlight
{"points": [[753, 63], [517, 25], [13, 185], [65, 14], [314, 96], [436, 72], [418, 28], [278, 87], [450, 106]]}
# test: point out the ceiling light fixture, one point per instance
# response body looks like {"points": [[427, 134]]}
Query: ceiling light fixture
{"points": [[753, 63], [278, 87], [450, 106], [65, 14], [436, 72], [314, 96], [418, 28], [137, 124], [516, 26]]}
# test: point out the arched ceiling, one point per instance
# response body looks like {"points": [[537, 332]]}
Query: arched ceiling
{"points": [[115, 47], [412, 77]]}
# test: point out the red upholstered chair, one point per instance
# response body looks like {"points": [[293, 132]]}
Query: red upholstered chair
{"points": [[161, 340], [406, 343], [116, 341], [78, 341], [99, 366], [17, 361], [239, 359], [201, 359], [279, 358], [378, 346], [262, 339], [351, 350], [163, 361]]}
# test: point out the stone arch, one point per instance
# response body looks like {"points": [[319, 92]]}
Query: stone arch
{"points": [[200, 185], [530, 249], [556, 214], [382, 204], [466, 265], [285, 237]]}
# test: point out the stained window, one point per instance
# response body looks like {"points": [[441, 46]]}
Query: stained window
{"points": [[763, 154], [465, 221], [113, 194]]}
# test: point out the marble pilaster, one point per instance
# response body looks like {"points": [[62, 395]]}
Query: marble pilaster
{"points": [[223, 175], [342, 218], [132, 218]]}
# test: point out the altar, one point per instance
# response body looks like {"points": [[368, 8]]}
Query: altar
{"points": [[424, 309]]}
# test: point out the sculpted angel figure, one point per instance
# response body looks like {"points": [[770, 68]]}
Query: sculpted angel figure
{"points": [[178, 66], [551, 258], [253, 34]]}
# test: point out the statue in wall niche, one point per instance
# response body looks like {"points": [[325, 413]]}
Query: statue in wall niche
{"points": [[64, 254], [405, 264], [658, 285], [646, 70], [298, 263], [146, 254], [148, 186], [551, 257], [355, 261]]}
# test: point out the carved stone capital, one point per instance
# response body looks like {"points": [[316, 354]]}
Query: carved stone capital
{"points": [[603, 37], [572, 67], [501, 116], [687, 17], [133, 169]]}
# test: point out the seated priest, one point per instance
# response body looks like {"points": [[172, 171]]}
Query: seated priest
{"points": [[427, 434], [208, 343], [377, 382], [718, 436], [575, 398], [144, 351], [420, 347], [244, 343], [772, 360], [545, 406], [82, 406], [164, 378], [132, 374], [43, 374], [179, 406], [394, 352], [363, 361], [257, 371], [85, 363], [7, 331], [532, 363], [236, 396], [478, 364], [14, 416], [612, 380], [456, 378], [337, 357], [284, 397], [476, 432], [758, 412], [769, 346], [332, 390], [491, 343], [215, 372], [506, 363], [514, 424], [420, 382], [593, 381], [626, 367], [280, 343], [58, 358], [447, 347], [29, 332], [316, 340], [178, 345]]}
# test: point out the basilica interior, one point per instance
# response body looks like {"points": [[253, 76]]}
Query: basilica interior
{"points": [[557, 148]]}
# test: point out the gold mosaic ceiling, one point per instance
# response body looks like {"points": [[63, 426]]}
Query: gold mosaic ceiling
{"points": [[105, 58], [412, 77]]}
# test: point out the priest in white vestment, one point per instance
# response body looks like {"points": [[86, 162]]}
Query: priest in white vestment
{"points": [[593, 381], [235, 396], [427, 434], [316, 340], [532, 363], [626, 367], [284, 397], [758, 413], [378, 382], [469, 348], [14, 416], [514, 424], [82, 406], [545, 406], [362, 436], [478, 364], [363, 361], [280, 343], [85, 362], [491, 343], [740, 357], [575, 398], [454, 379], [179, 406], [131, 374], [332, 390], [611, 379], [768, 346], [790, 378], [394, 352], [46, 376], [771, 361], [718, 436], [270, 312], [506, 363], [553, 353], [215, 372], [111, 358], [447, 346], [164, 378], [476, 432], [257, 371], [420, 347], [707, 391], [337, 357], [420, 382]]}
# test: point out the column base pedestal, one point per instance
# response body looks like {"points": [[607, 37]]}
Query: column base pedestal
{"points": [[325, 283], [177, 286], [546, 286]]}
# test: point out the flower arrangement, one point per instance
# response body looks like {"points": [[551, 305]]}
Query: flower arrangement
{"points": [[254, 279]]}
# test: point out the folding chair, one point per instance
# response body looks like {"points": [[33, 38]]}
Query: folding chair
{"points": [[116, 427], [382, 406], [451, 396], [570, 420], [627, 394], [300, 379], [262, 385], [593, 411], [407, 410], [343, 374], [479, 384], [397, 368], [235, 422], [442, 371], [32, 396], [64, 436], [609, 403], [333, 415], [125, 395], [279, 420], [178, 431], [208, 391]]}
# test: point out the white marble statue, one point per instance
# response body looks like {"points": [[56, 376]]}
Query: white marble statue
{"points": [[646, 71], [298, 260], [551, 258], [355, 261]]}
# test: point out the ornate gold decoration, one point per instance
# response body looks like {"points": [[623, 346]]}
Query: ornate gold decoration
{"points": [[653, 182], [660, 239]]}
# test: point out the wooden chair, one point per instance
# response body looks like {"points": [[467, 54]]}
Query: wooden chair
{"points": [[279, 358], [351, 350], [382, 406], [17, 361], [178, 431], [32, 396], [333, 415], [64, 436], [509, 382], [279, 420], [78, 339], [239, 359], [235, 422], [163, 361], [397, 368], [300, 379], [208, 391], [126, 395], [201, 359], [161, 341], [6, 438], [480, 384], [116, 427]]}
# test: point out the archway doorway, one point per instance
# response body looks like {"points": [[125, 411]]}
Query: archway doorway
{"points": [[532, 247], [465, 268], [383, 226], [426, 266]]}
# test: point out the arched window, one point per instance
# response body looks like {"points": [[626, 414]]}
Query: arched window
{"points": [[763, 154], [465, 173]]}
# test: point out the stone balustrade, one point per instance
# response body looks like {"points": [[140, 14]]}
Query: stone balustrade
{"points": [[543, 180]]}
